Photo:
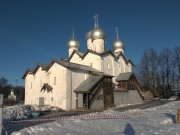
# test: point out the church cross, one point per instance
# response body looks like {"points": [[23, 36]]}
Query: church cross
{"points": [[96, 19], [117, 32], [73, 31]]}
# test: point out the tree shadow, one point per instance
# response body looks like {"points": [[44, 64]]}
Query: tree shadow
{"points": [[129, 130], [172, 116]]}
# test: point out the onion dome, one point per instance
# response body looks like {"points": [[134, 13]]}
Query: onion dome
{"points": [[88, 35], [98, 33], [73, 42], [118, 44]]}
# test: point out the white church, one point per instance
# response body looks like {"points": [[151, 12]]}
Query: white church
{"points": [[95, 79]]}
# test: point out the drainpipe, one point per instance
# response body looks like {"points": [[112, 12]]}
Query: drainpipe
{"points": [[70, 90]]}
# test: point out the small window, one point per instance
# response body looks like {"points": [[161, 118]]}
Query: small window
{"points": [[31, 85], [41, 83], [91, 64], [54, 80], [108, 66]]}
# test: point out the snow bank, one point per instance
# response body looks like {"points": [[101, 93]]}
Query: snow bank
{"points": [[17, 112]]}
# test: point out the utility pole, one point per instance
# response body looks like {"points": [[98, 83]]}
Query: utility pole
{"points": [[16, 82], [1, 112]]}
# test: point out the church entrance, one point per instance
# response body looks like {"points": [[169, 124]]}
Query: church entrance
{"points": [[108, 99]]}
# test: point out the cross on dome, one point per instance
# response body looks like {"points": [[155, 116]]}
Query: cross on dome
{"points": [[96, 19]]}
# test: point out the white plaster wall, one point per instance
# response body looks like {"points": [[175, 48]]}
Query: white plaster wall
{"points": [[98, 45], [89, 44], [122, 64], [32, 94], [76, 59], [130, 67], [94, 59], [28, 90], [108, 64], [76, 77], [39, 76], [58, 94]]}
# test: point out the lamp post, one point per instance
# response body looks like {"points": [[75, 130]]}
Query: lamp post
{"points": [[1, 112]]}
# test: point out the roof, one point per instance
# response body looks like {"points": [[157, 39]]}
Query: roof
{"points": [[116, 54], [33, 71], [124, 76], [43, 66], [88, 84], [80, 53], [73, 65], [29, 70], [83, 55]]}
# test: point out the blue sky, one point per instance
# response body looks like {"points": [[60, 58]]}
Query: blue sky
{"points": [[35, 31]]}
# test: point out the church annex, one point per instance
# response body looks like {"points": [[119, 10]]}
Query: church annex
{"points": [[94, 79]]}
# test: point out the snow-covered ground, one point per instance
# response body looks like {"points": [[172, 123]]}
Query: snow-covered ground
{"points": [[156, 120]]}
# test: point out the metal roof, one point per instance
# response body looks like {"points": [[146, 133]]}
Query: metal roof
{"points": [[29, 70], [124, 76], [88, 84], [75, 66], [80, 53]]}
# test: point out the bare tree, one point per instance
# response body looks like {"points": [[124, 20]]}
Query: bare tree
{"points": [[177, 65], [153, 65], [145, 69]]}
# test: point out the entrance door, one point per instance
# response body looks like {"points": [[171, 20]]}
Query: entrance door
{"points": [[108, 101]]}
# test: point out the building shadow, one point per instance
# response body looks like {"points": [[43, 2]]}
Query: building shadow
{"points": [[172, 116], [129, 130]]}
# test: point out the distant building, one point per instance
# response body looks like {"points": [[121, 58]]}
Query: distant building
{"points": [[11, 96], [91, 79]]}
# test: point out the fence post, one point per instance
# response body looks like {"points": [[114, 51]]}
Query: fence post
{"points": [[178, 116], [1, 112]]}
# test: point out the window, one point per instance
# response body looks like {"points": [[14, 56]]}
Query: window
{"points": [[54, 80], [41, 83], [31, 85], [108, 66], [91, 64]]}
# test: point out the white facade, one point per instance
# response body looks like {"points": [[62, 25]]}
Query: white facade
{"points": [[64, 76]]}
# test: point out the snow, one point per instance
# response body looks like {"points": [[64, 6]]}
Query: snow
{"points": [[17, 112], [157, 120]]}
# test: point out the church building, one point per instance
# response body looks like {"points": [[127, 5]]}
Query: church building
{"points": [[94, 79]]}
